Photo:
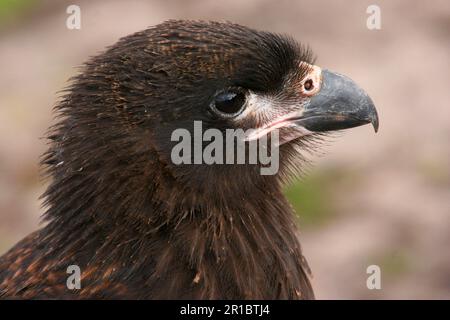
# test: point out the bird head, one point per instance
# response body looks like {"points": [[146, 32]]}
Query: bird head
{"points": [[130, 100]]}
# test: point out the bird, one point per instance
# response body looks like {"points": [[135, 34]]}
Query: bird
{"points": [[139, 226]]}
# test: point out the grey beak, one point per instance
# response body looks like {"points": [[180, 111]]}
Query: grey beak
{"points": [[340, 104]]}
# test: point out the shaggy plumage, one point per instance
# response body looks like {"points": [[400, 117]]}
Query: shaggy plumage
{"points": [[139, 226]]}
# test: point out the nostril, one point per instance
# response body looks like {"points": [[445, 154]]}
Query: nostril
{"points": [[308, 85]]}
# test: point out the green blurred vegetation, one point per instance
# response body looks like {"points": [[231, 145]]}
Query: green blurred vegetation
{"points": [[12, 10], [394, 263], [435, 171], [310, 199], [314, 197]]}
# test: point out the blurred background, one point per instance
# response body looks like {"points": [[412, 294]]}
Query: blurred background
{"points": [[372, 199]]}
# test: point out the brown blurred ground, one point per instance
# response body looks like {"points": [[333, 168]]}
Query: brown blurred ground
{"points": [[389, 193]]}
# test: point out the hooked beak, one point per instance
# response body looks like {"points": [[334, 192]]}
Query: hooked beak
{"points": [[331, 102], [339, 104]]}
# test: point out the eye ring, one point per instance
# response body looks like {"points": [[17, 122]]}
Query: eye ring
{"points": [[308, 85], [229, 103]]}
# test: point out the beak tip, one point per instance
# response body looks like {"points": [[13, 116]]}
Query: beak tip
{"points": [[373, 117], [375, 123]]}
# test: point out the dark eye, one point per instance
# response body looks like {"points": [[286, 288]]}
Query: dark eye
{"points": [[229, 103]]}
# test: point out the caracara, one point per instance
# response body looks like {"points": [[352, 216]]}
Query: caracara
{"points": [[138, 225]]}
